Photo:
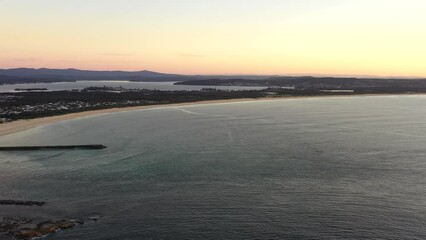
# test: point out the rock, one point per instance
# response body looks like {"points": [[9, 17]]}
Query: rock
{"points": [[30, 226], [64, 224], [9, 225], [77, 221], [47, 227], [26, 229], [27, 234], [95, 217]]}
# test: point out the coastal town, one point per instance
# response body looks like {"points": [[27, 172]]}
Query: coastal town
{"points": [[8, 114], [13, 106]]}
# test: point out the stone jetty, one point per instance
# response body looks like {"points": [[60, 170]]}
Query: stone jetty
{"points": [[21, 203], [65, 147]]}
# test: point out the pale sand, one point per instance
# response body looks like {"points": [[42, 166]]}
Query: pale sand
{"points": [[22, 125]]}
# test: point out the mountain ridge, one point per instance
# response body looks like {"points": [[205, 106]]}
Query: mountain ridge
{"points": [[47, 75], [31, 75]]}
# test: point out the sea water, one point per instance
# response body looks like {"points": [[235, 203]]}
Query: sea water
{"points": [[314, 168]]}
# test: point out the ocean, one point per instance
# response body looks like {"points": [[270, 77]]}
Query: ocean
{"points": [[311, 168]]}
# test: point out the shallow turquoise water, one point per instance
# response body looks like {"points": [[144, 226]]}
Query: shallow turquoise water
{"points": [[319, 168]]}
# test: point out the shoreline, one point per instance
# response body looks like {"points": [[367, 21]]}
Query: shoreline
{"points": [[26, 124]]}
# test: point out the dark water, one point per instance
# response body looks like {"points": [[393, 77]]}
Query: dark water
{"points": [[329, 168], [163, 86]]}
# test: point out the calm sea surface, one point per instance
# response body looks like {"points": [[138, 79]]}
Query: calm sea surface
{"points": [[317, 168], [163, 86]]}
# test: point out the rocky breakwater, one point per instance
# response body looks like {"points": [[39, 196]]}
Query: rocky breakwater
{"points": [[44, 148], [21, 203]]}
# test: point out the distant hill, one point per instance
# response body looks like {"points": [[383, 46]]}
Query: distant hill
{"points": [[31, 75]]}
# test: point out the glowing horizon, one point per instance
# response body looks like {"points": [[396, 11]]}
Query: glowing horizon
{"points": [[262, 37]]}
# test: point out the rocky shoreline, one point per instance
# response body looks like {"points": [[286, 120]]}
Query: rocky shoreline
{"points": [[26, 228], [22, 228]]}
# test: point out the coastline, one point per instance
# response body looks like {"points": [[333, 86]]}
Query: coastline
{"points": [[26, 124]]}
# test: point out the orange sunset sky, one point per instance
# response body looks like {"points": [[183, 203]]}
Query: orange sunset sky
{"points": [[325, 37]]}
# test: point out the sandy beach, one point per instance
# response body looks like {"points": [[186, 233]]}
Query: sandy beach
{"points": [[22, 125]]}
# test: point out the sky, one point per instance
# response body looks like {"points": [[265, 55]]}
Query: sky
{"points": [[274, 37]]}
